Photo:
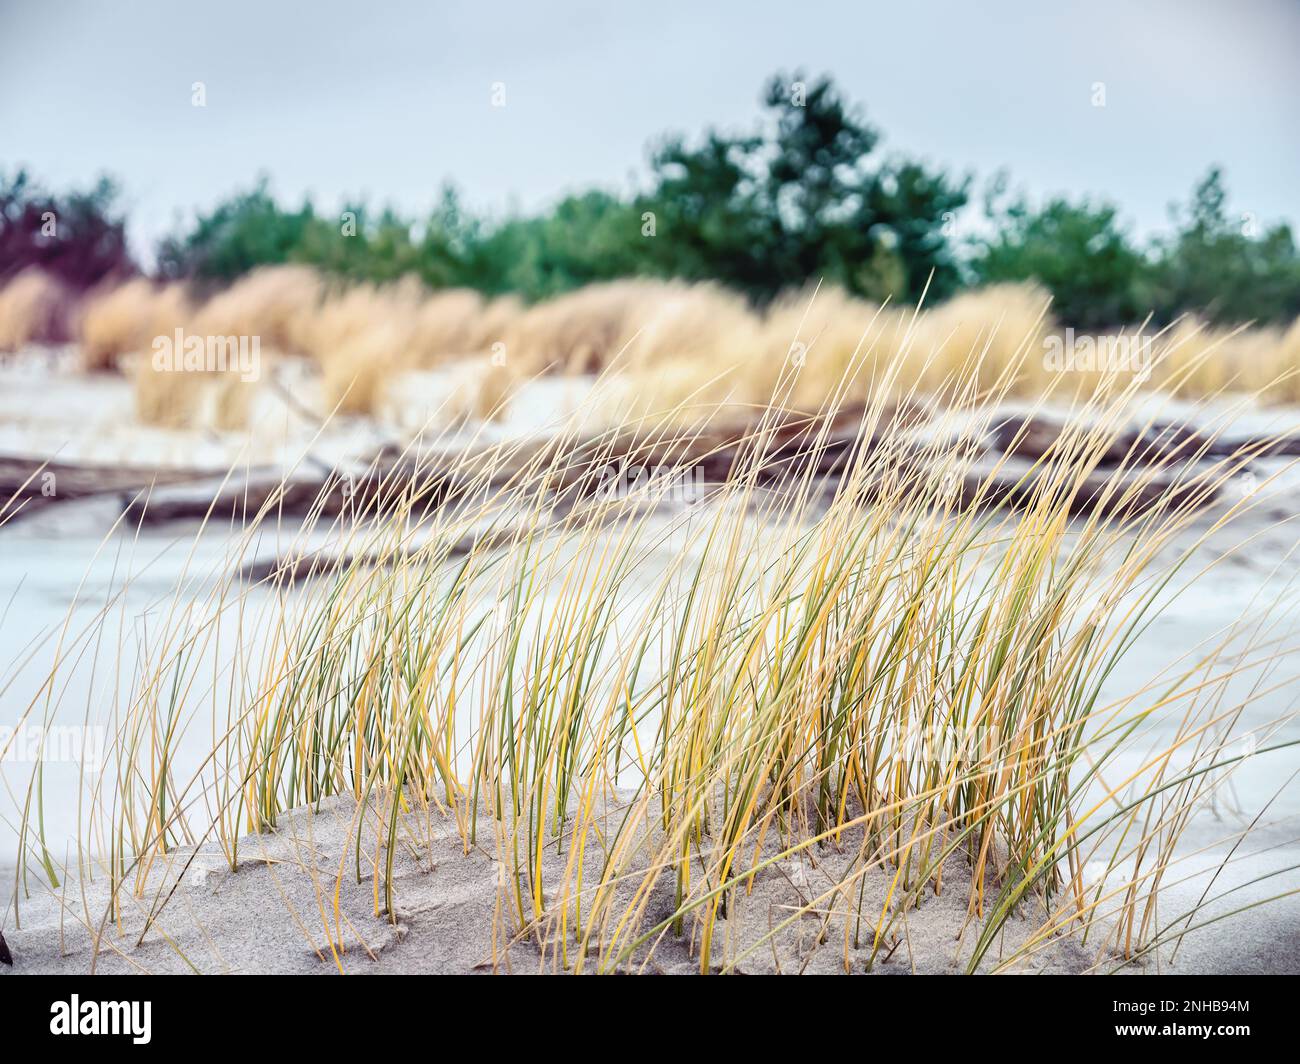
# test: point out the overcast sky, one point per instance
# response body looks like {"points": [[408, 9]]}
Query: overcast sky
{"points": [[391, 99]]}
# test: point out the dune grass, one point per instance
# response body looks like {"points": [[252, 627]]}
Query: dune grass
{"points": [[33, 309], [122, 320], [882, 665], [669, 340]]}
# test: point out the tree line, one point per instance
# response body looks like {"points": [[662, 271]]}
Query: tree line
{"points": [[806, 195]]}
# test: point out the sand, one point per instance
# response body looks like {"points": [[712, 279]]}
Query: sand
{"points": [[275, 915]]}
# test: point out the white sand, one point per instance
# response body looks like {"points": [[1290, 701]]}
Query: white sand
{"points": [[275, 914]]}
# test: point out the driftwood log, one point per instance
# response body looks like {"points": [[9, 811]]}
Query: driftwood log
{"points": [[1140, 466], [29, 483], [236, 498], [295, 568], [25, 477], [1033, 436]]}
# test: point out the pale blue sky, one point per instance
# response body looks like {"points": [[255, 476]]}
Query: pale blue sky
{"points": [[391, 99]]}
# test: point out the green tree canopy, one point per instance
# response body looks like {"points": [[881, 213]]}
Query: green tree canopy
{"points": [[1228, 268], [1079, 251], [79, 237], [804, 195], [803, 198]]}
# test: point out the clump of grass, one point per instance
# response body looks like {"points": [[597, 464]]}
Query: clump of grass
{"points": [[359, 338], [124, 319], [1006, 324], [364, 337], [1193, 360], [689, 322], [477, 390], [495, 321], [33, 309], [576, 332], [652, 322], [172, 399], [821, 345], [824, 337], [682, 346], [356, 371], [233, 402], [168, 399], [452, 324], [270, 303]]}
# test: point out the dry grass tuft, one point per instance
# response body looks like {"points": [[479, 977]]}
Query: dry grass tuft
{"points": [[673, 346], [363, 337], [582, 331], [1193, 359], [123, 320], [356, 370], [447, 325], [33, 309], [1006, 326], [821, 346], [271, 303], [167, 399]]}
